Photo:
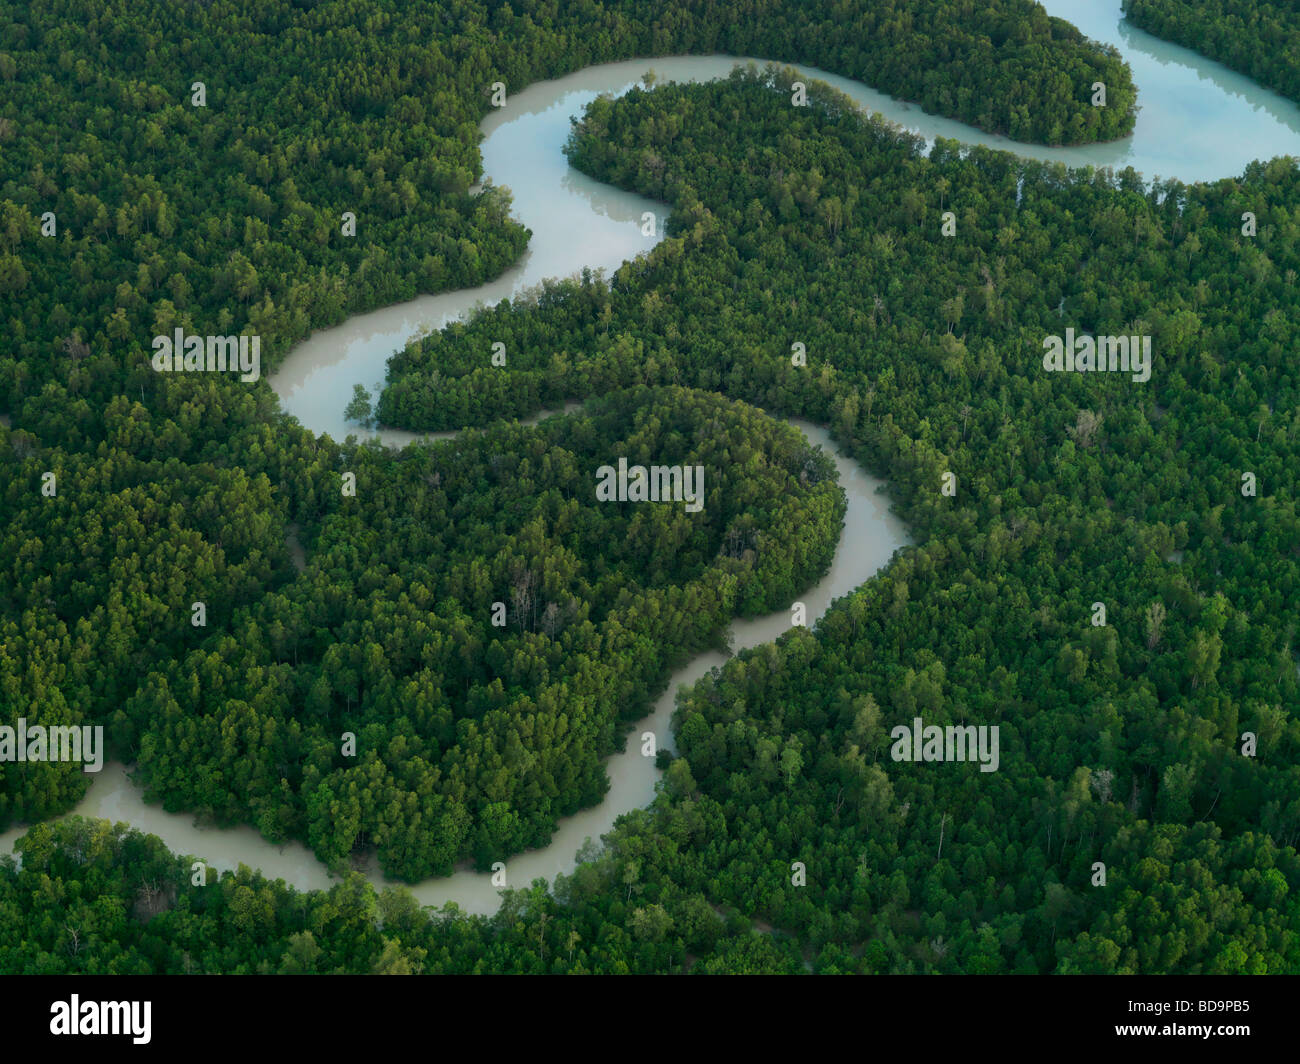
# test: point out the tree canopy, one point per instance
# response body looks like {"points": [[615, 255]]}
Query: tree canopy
{"points": [[1255, 37], [922, 281]]}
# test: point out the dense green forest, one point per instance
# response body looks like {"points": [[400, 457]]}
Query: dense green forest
{"points": [[473, 733], [1253, 36], [127, 210], [91, 897], [1121, 742]]}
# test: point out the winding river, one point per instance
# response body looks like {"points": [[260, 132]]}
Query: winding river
{"points": [[1199, 121]]}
